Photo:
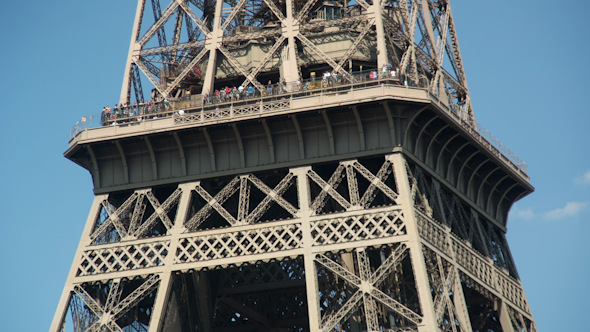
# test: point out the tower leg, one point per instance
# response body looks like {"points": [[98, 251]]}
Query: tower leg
{"points": [[414, 244], [64, 301], [311, 283]]}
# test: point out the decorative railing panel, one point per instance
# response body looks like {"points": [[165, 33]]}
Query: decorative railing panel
{"points": [[433, 233], [123, 258], [359, 227], [511, 290], [473, 262], [480, 266], [238, 243]]}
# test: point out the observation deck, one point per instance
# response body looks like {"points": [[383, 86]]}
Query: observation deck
{"points": [[297, 124]]}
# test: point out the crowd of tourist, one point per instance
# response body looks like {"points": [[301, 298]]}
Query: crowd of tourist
{"points": [[128, 110], [144, 110]]}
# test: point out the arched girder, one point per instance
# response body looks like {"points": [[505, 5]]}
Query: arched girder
{"points": [[211, 150], [476, 152], [330, 133], [453, 158], [432, 141], [95, 169], [123, 161], [442, 150], [421, 132], [152, 156], [487, 206], [299, 136], [360, 128], [502, 198], [477, 194], [473, 175], [405, 143], [181, 152], [271, 149], [391, 123], [240, 145]]}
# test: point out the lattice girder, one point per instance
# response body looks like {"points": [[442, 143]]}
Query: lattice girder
{"points": [[220, 29], [367, 289], [128, 219]]}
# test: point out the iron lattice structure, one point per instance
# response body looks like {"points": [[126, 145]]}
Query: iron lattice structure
{"points": [[371, 206]]}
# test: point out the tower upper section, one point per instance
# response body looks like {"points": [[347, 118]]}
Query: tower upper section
{"points": [[195, 47], [241, 86]]}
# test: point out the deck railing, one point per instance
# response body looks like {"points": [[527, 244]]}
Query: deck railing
{"points": [[223, 105]]}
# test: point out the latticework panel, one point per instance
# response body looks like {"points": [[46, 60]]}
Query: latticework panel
{"points": [[433, 233], [358, 290], [114, 305], [237, 243], [230, 112], [512, 291], [135, 216], [474, 263], [480, 266], [122, 258], [359, 227]]}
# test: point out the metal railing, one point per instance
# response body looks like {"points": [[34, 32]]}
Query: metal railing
{"points": [[218, 105]]}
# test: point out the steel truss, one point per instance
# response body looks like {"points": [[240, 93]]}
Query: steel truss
{"points": [[193, 43], [356, 246]]}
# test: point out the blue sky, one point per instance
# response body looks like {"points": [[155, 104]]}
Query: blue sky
{"points": [[528, 73]]}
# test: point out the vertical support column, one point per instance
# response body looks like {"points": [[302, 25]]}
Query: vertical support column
{"points": [[64, 301], [290, 68], [211, 45], [133, 46], [505, 321], [166, 275], [460, 304], [311, 283], [414, 244], [381, 48]]}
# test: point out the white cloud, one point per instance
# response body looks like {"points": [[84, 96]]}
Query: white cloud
{"points": [[570, 209], [525, 214], [584, 179]]}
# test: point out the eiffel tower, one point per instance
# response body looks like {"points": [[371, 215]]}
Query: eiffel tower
{"points": [[295, 165]]}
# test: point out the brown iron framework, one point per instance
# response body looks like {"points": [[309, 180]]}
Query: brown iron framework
{"points": [[373, 208]]}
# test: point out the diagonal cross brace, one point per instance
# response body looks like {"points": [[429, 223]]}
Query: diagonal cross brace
{"points": [[185, 71], [213, 203], [396, 306], [96, 308], [264, 61], [272, 195], [160, 212], [233, 14], [194, 17], [338, 269], [237, 65], [330, 322], [396, 256], [114, 218], [135, 297], [275, 10], [157, 25], [376, 182], [231, 188], [359, 39], [328, 189], [337, 68]]}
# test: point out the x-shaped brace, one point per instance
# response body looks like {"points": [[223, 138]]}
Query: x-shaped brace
{"points": [[328, 189], [113, 308], [367, 289], [114, 217], [160, 212]]}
